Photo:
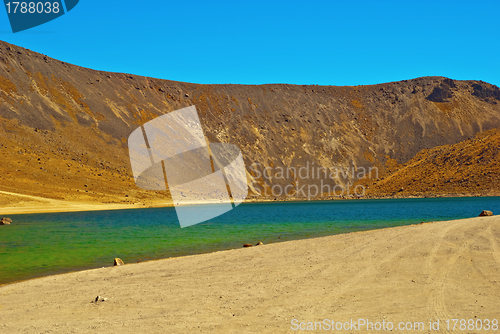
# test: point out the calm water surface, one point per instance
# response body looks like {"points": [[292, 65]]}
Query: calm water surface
{"points": [[43, 244]]}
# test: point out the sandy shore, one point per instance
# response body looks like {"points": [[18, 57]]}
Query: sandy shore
{"points": [[445, 270], [15, 203], [21, 204]]}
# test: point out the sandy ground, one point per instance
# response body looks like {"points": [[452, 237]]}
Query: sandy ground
{"points": [[14, 203], [445, 270]]}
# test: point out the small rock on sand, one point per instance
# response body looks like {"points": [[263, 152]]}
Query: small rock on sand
{"points": [[259, 243], [247, 245], [99, 299], [118, 262], [485, 213], [5, 221]]}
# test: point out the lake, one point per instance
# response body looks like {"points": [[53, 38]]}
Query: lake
{"points": [[49, 243]]}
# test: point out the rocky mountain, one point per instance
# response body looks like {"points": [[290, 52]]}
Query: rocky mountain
{"points": [[64, 130], [470, 167]]}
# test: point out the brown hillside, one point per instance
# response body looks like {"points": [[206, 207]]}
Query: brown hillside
{"points": [[471, 167], [64, 128]]}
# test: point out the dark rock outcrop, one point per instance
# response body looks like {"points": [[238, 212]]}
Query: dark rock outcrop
{"points": [[486, 91], [443, 92]]}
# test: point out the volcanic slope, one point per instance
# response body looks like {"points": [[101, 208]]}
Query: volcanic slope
{"points": [[64, 128]]}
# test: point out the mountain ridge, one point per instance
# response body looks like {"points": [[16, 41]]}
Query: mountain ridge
{"points": [[64, 115]]}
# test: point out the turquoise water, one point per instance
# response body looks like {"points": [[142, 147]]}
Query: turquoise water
{"points": [[43, 244]]}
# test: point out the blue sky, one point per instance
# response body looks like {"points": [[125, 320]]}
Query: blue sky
{"points": [[257, 42]]}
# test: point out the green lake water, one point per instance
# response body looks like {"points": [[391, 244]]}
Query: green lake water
{"points": [[43, 244]]}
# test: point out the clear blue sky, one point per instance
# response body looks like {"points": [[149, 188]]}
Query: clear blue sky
{"points": [[256, 42]]}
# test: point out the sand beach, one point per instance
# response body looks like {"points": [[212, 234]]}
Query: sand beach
{"points": [[402, 275]]}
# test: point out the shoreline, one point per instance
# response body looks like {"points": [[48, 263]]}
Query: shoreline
{"points": [[217, 251], [225, 250], [440, 270], [49, 205]]}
